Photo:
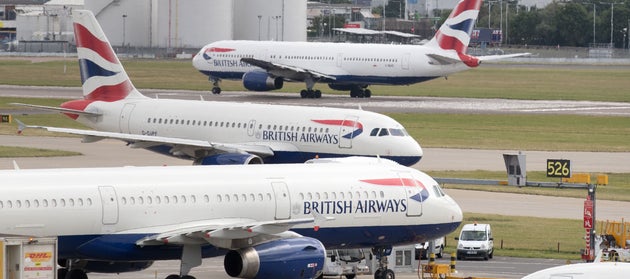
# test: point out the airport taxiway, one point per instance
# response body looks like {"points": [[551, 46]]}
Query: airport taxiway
{"points": [[381, 104]]}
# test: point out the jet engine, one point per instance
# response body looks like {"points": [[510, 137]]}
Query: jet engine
{"points": [[301, 257], [229, 159], [261, 81]]}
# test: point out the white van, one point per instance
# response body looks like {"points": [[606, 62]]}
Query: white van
{"points": [[422, 249], [475, 241]]}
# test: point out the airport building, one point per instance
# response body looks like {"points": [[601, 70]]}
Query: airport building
{"points": [[175, 24]]}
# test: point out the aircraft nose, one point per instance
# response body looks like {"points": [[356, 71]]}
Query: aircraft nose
{"points": [[198, 61], [455, 211]]}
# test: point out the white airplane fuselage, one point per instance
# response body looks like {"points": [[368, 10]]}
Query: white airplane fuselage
{"points": [[347, 63], [310, 131], [101, 213]]}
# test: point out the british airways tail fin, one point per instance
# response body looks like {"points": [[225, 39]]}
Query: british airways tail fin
{"points": [[102, 76], [453, 37], [455, 33]]}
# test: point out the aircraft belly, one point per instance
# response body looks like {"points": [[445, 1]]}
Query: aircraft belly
{"points": [[123, 246]]}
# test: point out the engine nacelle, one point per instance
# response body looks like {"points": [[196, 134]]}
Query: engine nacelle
{"points": [[113, 267], [230, 159], [261, 81], [291, 258]]}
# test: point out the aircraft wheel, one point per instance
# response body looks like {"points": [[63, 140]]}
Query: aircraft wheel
{"points": [[360, 94], [216, 90], [378, 273], [388, 274], [368, 93], [188, 277], [303, 93], [354, 93], [61, 273], [318, 94], [173, 276], [76, 274], [350, 276]]}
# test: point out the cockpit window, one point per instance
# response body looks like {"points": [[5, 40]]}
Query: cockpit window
{"points": [[374, 132], [381, 132], [397, 132], [438, 191]]}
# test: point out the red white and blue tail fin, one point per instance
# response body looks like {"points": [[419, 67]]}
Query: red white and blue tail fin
{"points": [[102, 76], [455, 33]]}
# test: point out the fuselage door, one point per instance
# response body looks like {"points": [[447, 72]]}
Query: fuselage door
{"points": [[339, 59], [251, 128], [283, 200], [125, 117], [413, 192], [405, 61], [348, 131], [109, 203]]}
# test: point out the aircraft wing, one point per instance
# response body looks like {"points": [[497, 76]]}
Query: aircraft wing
{"points": [[287, 71], [229, 233], [443, 60], [186, 146]]}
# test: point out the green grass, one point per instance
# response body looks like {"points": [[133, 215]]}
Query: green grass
{"points": [[12, 151], [528, 237], [618, 187], [519, 132], [530, 82]]}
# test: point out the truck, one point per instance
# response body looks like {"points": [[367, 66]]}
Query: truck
{"points": [[614, 242], [475, 241], [422, 249]]}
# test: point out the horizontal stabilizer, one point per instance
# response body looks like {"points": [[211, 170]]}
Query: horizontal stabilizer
{"points": [[443, 60], [502, 56], [58, 109]]}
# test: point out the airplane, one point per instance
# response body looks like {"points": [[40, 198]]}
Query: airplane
{"points": [[217, 132], [268, 221], [265, 65], [611, 270]]}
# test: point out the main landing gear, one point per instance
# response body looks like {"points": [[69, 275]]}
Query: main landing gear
{"points": [[382, 272], [191, 257], [309, 92], [358, 92], [312, 94]]}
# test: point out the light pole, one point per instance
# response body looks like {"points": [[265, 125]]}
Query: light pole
{"points": [[276, 18], [124, 20], [259, 18], [612, 15]]}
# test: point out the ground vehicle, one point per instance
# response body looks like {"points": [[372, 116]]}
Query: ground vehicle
{"points": [[475, 240], [422, 249], [347, 262]]}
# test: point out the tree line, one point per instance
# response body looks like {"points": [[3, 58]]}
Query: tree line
{"points": [[569, 23]]}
